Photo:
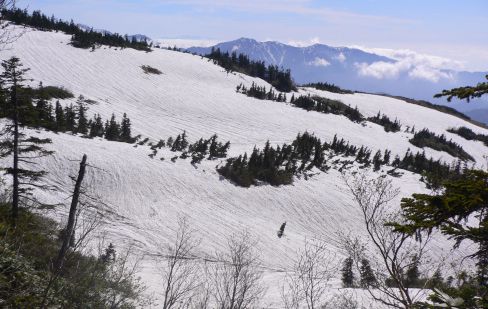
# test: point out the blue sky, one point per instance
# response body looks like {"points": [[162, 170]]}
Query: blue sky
{"points": [[449, 28]]}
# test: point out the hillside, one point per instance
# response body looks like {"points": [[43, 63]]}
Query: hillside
{"points": [[356, 69], [145, 196]]}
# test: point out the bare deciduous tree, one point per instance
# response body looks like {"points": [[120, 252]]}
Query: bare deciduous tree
{"points": [[202, 297], [394, 252], [180, 273], [307, 284], [121, 271], [237, 278]]}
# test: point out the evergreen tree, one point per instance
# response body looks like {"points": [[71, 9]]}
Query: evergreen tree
{"points": [[82, 119], [347, 273], [109, 255], [462, 198], [367, 275], [60, 118], [437, 281], [70, 116], [465, 93], [112, 129], [387, 157], [96, 126], [413, 274], [16, 144], [170, 141], [377, 161], [125, 130]]}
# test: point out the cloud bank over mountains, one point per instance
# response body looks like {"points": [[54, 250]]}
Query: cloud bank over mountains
{"points": [[415, 65]]}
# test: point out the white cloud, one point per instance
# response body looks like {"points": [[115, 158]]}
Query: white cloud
{"points": [[431, 74], [381, 69], [415, 65], [417, 58], [319, 62], [341, 57]]}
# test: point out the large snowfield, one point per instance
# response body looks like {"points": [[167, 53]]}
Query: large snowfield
{"points": [[146, 196]]}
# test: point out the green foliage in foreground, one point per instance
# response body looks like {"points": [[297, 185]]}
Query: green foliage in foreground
{"points": [[465, 93], [85, 281], [463, 199]]}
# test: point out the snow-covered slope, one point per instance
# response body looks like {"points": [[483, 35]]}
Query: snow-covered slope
{"points": [[356, 69], [146, 196]]}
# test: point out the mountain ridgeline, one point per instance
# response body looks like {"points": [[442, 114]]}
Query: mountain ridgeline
{"points": [[81, 38], [278, 78], [343, 66]]}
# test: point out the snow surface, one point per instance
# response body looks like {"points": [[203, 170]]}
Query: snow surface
{"points": [[146, 196]]}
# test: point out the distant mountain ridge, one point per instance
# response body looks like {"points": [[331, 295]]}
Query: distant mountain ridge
{"points": [[137, 37], [354, 69]]}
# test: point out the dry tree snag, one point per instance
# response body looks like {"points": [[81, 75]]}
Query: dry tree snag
{"points": [[180, 274], [394, 252], [307, 283], [237, 278], [70, 226], [69, 231]]}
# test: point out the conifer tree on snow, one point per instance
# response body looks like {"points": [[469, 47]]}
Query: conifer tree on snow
{"points": [[70, 116], [82, 119], [367, 277], [60, 117], [125, 129], [377, 161], [96, 126], [21, 148], [112, 129], [413, 273], [109, 255], [170, 142], [347, 273]]}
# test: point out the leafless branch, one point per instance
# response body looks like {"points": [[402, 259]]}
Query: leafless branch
{"points": [[393, 252]]}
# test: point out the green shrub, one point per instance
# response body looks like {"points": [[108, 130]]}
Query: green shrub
{"points": [[150, 70], [425, 138], [85, 281], [468, 134]]}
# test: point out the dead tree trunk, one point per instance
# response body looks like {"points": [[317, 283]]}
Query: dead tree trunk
{"points": [[15, 170], [70, 226]]}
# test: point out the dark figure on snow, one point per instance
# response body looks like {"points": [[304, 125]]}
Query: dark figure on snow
{"points": [[282, 230]]}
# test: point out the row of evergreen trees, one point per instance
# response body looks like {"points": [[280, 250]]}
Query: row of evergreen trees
{"points": [[261, 93], [210, 148], [468, 134], [367, 276], [434, 172], [388, 125], [278, 78], [35, 110], [426, 138], [328, 87], [327, 106], [80, 38], [277, 166]]}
